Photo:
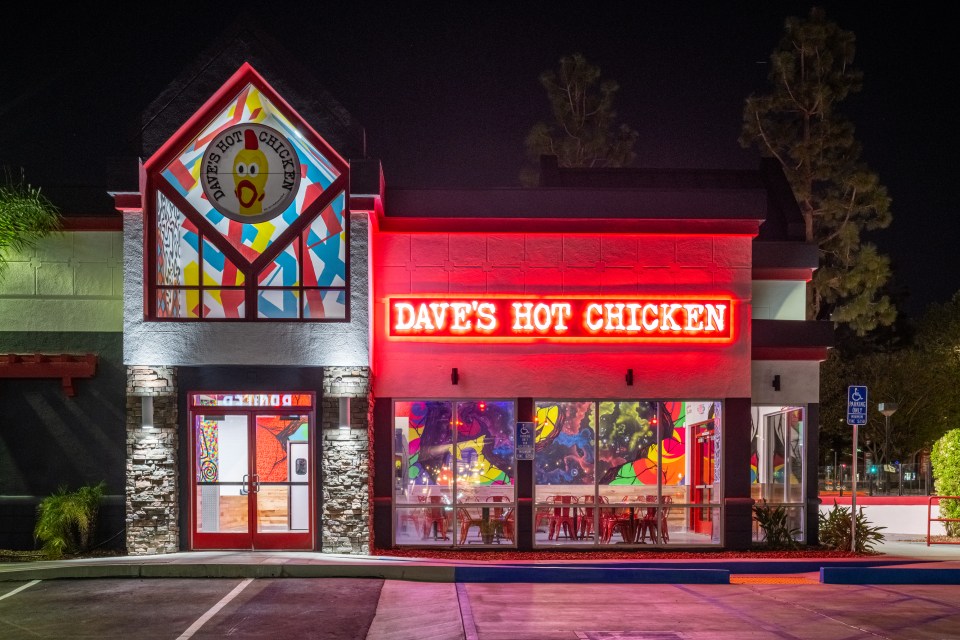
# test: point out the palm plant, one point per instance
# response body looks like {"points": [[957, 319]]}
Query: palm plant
{"points": [[26, 215], [774, 521], [835, 529], [66, 520]]}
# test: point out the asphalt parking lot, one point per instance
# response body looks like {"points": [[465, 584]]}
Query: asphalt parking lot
{"points": [[364, 608]]}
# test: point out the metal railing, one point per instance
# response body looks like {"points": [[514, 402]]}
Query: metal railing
{"points": [[878, 480], [931, 519]]}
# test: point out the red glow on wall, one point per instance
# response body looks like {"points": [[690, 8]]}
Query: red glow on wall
{"points": [[691, 319]]}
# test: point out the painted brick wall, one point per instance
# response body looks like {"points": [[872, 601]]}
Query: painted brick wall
{"points": [[555, 264]]}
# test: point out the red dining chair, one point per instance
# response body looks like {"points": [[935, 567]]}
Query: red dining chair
{"points": [[562, 519], [648, 522], [436, 517]]}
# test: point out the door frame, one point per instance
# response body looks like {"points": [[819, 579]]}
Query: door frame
{"points": [[252, 539]]}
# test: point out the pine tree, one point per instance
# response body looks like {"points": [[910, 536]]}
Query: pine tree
{"points": [[798, 123], [584, 131]]}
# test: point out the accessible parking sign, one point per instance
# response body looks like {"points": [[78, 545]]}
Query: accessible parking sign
{"points": [[856, 405]]}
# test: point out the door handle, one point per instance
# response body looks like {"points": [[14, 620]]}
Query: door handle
{"points": [[256, 483], [244, 490]]}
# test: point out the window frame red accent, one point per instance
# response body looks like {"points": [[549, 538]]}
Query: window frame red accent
{"points": [[252, 539], [154, 182]]}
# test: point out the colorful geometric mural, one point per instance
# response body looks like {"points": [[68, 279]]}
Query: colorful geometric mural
{"points": [[196, 279]]}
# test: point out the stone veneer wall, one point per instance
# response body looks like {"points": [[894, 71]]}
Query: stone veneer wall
{"points": [[152, 508], [346, 461]]}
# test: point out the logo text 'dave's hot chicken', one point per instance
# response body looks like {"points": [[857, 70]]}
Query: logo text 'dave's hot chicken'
{"points": [[503, 318]]}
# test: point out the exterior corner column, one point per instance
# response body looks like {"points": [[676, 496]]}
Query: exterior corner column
{"points": [[346, 458], [152, 487], [735, 451]]}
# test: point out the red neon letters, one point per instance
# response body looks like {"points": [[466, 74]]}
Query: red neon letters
{"points": [[703, 319]]}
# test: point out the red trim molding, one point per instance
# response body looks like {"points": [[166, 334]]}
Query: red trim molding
{"points": [[128, 202], [44, 365], [92, 223]]}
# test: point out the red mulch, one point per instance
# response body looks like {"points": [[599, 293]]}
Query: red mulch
{"points": [[639, 554]]}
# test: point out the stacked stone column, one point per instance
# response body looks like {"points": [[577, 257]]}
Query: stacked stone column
{"points": [[346, 461], [152, 512]]}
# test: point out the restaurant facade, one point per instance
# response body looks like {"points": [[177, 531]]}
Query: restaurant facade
{"points": [[315, 360]]}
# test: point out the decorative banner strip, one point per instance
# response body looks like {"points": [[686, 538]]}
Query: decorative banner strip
{"points": [[581, 319]]}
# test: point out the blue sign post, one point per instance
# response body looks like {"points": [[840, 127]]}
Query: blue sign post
{"points": [[856, 415]]}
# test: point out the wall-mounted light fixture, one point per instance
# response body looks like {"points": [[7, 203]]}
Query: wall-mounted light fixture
{"points": [[146, 412], [629, 377], [776, 382], [343, 418], [454, 376]]}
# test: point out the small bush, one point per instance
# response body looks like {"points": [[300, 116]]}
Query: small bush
{"points": [[835, 530], [773, 520], [66, 520], [945, 458]]}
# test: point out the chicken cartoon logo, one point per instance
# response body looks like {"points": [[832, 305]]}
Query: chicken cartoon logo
{"points": [[250, 173], [250, 169]]}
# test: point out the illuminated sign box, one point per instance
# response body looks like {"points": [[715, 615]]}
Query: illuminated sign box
{"points": [[562, 318], [252, 399]]}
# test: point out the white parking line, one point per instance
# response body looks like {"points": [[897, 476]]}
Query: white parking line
{"points": [[19, 589], [214, 609]]}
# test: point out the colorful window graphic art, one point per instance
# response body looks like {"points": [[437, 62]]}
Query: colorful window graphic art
{"points": [[636, 443], [483, 441], [273, 435], [565, 443], [207, 451], [202, 269]]}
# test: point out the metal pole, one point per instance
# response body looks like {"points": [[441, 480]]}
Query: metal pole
{"points": [[853, 496]]}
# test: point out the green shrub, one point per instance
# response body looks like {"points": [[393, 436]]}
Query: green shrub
{"points": [[66, 520], [945, 458], [773, 520], [835, 530]]}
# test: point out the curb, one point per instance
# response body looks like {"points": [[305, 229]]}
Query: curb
{"points": [[849, 575]]}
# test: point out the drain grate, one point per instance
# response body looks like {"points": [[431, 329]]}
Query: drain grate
{"points": [[629, 635]]}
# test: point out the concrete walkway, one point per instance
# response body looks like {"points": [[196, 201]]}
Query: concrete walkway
{"points": [[908, 556]]}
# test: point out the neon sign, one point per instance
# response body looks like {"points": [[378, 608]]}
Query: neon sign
{"points": [[571, 318]]}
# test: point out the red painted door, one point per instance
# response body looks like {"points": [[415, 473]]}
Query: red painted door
{"points": [[703, 477], [252, 479]]}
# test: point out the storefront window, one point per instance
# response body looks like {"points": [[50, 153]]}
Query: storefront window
{"points": [[627, 472], [776, 466], [454, 464]]}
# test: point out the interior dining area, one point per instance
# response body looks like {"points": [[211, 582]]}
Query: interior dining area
{"points": [[605, 474]]}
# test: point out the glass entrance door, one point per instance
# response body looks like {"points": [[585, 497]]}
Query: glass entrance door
{"points": [[252, 479]]}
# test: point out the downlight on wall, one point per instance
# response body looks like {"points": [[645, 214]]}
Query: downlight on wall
{"points": [[146, 412], [344, 415]]}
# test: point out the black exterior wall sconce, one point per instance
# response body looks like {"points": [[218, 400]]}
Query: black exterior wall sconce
{"points": [[454, 376], [776, 382], [629, 377]]}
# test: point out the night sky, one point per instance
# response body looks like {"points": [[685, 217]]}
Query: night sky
{"points": [[447, 91]]}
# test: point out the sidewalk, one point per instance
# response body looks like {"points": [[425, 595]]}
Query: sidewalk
{"points": [[905, 560]]}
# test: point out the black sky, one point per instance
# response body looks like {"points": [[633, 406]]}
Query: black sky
{"points": [[447, 91]]}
